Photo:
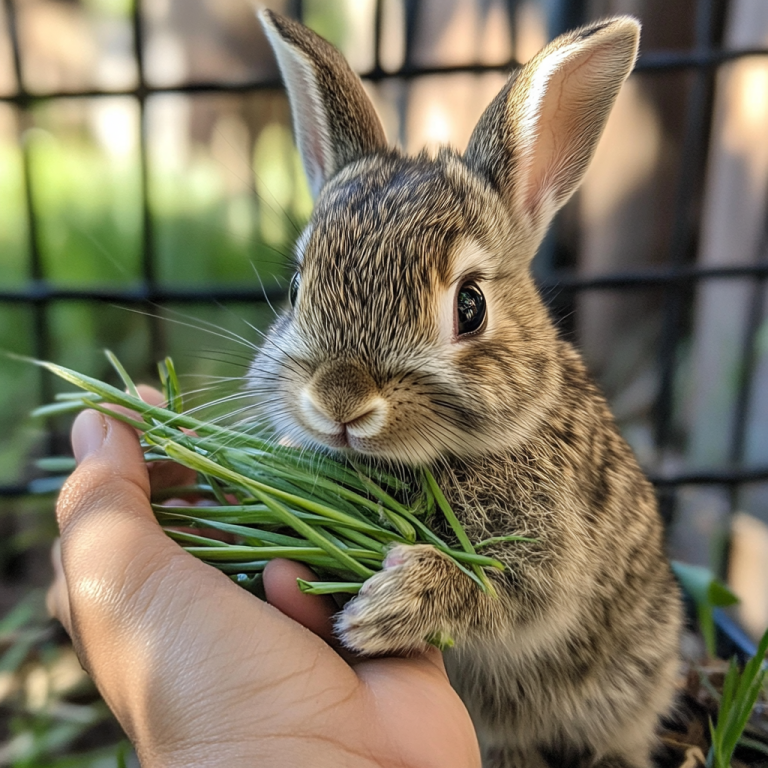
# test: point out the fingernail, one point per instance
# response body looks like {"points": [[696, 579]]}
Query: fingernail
{"points": [[88, 434]]}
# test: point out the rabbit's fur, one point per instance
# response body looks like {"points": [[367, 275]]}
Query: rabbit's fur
{"points": [[575, 660]]}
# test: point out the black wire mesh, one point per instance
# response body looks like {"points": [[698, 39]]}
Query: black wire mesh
{"points": [[676, 279]]}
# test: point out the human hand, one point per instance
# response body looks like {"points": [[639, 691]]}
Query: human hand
{"points": [[200, 672]]}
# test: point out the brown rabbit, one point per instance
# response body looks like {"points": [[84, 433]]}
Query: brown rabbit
{"points": [[415, 336]]}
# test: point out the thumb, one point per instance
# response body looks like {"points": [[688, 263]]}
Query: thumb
{"points": [[110, 464], [110, 542], [110, 469]]}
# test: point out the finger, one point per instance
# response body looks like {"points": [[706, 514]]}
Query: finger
{"points": [[107, 528], [209, 533], [150, 395], [165, 474], [315, 612], [433, 657], [162, 474], [105, 449], [169, 477]]}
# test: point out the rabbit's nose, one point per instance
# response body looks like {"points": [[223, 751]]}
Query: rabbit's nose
{"points": [[342, 397]]}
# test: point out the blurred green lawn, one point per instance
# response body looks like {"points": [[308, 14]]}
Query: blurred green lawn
{"points": [[89, 231]]}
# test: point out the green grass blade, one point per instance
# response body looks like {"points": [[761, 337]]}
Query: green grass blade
{"points": [[243, 552], [252, 514], [252, 566], [61, 397], [188, 537], [311, 466], [294, 499], [367, 542], [122, 373], [729, 685], [457, 528], [116, 396], [472, 558], [713, 755], [329, 587], [58, 409], [502, 540], [445, 508], [331, 549], [309, 483], [384, 498], [400, 524], [170, 383], [217, 491], [251, 536]]}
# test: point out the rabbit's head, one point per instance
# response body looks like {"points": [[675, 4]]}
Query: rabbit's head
{"points": [[414, 328]]}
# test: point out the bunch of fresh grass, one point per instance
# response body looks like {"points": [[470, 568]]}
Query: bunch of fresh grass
{"points": [[273, 501]]}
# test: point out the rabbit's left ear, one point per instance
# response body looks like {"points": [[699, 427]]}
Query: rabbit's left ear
{"points": [[334, 121], [535, 140]]}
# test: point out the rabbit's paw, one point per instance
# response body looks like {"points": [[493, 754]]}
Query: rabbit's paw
{"points": [[404, 607]]}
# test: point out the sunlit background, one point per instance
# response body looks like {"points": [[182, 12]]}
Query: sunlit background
{"points": [[149, 183]]}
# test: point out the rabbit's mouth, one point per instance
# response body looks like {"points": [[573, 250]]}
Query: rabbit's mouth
{"points": [[345, 440], [348, 427], [380, 448]]}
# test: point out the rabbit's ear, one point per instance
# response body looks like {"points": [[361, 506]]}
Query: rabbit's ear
{"points": [[334, 121], [535, 140]]}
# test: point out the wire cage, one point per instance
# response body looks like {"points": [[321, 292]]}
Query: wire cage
{"points": [[150, 194], [146, 164]]}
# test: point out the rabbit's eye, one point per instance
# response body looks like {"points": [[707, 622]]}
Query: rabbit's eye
{"points": [[470, 309], [293, 290]]}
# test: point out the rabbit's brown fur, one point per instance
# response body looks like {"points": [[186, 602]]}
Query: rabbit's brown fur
{"points": [[575, 660]]}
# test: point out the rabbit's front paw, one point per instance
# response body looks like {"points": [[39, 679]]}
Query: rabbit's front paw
{"points": [[403, 607]]}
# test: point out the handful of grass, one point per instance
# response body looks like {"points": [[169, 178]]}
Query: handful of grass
{"points": [[273, 501]]}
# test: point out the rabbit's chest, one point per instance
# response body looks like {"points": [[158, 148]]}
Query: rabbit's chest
{"points": [[528, 693], [496, 498]]}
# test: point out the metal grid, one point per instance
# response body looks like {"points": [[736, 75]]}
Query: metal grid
{"points": [[676, 279]]}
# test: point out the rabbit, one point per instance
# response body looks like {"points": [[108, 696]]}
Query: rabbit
{"points": [[414, 336]]}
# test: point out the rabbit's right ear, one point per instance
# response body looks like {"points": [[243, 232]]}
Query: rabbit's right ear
{"points": [[536, 138], [334, 121]]}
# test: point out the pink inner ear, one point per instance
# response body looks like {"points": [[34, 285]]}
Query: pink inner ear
{"points": [[310, 128], [571, 116], [310, 125], [313, 146]]}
